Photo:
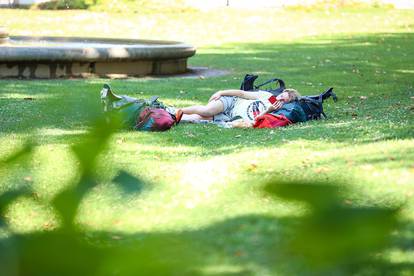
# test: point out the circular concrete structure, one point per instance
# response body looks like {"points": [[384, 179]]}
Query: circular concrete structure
{"points": [[4, 35], [55, 57]]}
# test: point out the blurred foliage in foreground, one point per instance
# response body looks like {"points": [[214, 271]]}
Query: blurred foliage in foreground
{"points": [[329, 235], [332, 234], [67, 250]]}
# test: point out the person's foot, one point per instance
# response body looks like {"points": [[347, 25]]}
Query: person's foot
{"points": [[106, 102], [178, 115], [108, 97], [107, 92]]}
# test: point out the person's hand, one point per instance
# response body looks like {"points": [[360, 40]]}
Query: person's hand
{"points": [[215, 96], [275, 106]]}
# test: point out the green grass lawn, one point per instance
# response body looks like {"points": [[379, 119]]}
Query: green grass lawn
{"points": [[206, 183]]}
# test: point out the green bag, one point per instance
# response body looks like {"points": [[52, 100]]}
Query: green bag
{"points": [[128, 108], [293, 111]]}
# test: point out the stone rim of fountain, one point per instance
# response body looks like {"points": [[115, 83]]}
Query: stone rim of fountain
{"points": [[102, 49], [55, 57], [4, 35]]}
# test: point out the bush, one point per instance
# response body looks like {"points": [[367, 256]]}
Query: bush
{"points": [[340, 4], [65, 4], [141, 6]]}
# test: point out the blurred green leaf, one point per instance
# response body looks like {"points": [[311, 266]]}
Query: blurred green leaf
{"points": [[69, 253], [87, 151], [94, 143], [332, 234], [343, 235], [315, 194], [158, 255], [67, 202], [57, 253]]}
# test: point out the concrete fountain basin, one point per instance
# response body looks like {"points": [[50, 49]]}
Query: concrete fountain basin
{"points": [[56, 57]]}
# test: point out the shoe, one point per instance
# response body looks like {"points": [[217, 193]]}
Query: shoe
{"points": [[106, 92], [178, 115], [108, 98]]}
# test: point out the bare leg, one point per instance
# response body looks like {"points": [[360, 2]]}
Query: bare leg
{"points": [[211, 109], [194, 117]]}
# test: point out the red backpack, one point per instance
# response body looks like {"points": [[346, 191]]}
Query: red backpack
{"points": [[154, 119], [271, 121]]}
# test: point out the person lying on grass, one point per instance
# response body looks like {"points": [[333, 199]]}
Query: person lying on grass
{"points": [[242, 108]]}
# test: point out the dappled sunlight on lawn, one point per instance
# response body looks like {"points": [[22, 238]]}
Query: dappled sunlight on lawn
{"points": [[199, 176], [53, 170], [23, 96], [156, 152], [194, 193], [405, 71], [29, 215], [198, 192], [60, 132]]}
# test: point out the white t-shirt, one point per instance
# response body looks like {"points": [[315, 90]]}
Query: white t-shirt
{"points": [[250, 109]]}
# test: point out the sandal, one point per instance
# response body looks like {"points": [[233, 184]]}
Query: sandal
{"points": [[178, 115]]}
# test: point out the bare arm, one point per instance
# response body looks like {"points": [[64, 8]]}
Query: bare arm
{"points": [[237, 93], [277, 105], [240, 123]]}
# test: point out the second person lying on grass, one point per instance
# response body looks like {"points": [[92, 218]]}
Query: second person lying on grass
{"points": [[259, 109]]}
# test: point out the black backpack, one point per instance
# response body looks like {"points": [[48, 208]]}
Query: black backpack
{"points": [[248, 85], [313, 105]]}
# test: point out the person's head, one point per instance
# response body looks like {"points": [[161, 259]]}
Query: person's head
{"points": [[288, 95]]}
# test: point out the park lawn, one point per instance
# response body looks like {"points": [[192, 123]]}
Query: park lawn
{"points": [[206, 183]]}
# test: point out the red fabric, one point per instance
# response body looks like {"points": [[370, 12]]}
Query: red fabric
{"points": [[154, 119], [271, 121]]}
